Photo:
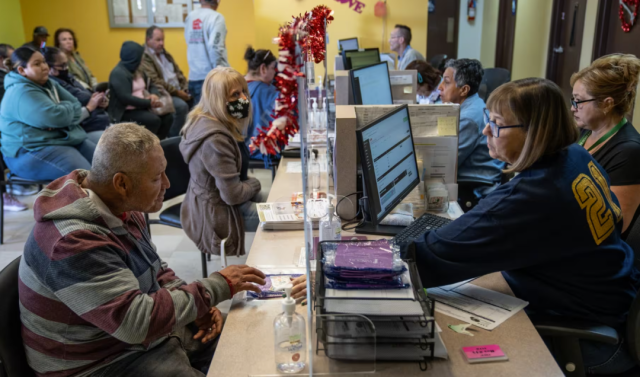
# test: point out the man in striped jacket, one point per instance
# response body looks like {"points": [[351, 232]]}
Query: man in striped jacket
{"points": [[95, 297]]}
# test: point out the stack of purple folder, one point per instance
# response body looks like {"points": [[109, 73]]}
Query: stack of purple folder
{"points": [[363, 265]]}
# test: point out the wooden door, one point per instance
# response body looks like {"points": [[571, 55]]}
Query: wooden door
{"points": [[506, 33], [442, 30], [609, 35], [565, 42]]}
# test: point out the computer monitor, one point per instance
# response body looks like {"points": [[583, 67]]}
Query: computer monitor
{"points": [[371, 85], [389, 167], [360, 58], [348, 44]]}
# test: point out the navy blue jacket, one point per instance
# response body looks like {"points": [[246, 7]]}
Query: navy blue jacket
{"points": [[554, 232], [99, 119]]}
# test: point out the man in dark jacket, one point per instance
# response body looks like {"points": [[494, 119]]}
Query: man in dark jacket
{"points": [[5, 52], [98, 119], [40, 36], [127, 106]]}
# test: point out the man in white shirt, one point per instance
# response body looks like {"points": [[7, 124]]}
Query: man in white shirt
{"points": [[163, 71], [400, 42], [205, 31]]}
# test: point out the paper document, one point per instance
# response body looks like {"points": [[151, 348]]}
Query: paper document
{"points": [[481, 307], [400, 79], [424, 118], [447, 126], [374, 307], [438, 157]]}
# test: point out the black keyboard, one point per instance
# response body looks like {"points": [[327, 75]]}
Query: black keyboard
{"points": [[420, 226]]}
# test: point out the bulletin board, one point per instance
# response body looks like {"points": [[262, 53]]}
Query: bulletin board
{"points": [[144, 13]]}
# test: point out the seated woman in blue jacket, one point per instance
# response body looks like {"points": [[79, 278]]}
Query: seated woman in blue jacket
{"points": [[41, 136], [554, 230], [260, 74]]}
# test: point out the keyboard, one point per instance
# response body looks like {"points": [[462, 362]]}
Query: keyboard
{"points": [[419, 227]]}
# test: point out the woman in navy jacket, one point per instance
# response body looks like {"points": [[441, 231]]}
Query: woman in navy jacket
{"points": [[553, 231]]}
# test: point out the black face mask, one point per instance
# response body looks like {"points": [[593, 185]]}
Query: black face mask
{"points": [[63, 74], [239, 109]]}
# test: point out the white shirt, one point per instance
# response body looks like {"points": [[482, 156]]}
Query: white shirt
{"points": [[205, 32]]}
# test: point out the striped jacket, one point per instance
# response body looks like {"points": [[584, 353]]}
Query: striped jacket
{"points": [[93, 290]]}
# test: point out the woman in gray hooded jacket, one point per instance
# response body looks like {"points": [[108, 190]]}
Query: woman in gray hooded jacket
{"points": [[220, 200]]}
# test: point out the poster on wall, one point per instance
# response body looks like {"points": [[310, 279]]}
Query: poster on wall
{"points": [[144, 13]]}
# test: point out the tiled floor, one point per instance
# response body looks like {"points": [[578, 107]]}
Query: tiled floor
{"points": [[173, 245]]}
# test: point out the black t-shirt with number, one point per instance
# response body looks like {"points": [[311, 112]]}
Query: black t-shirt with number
{"points": [[620, 158]]}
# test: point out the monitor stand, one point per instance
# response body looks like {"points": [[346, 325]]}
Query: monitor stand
{"points": [[382, 230]]}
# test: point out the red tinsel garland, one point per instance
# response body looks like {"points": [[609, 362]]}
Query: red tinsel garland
{"points": [[311, 32], [626, 26]]}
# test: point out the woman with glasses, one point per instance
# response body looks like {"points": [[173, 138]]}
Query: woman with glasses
{"points": [[260, 74], [553, 230], [40, 130], [603, 94], [95, 103]]}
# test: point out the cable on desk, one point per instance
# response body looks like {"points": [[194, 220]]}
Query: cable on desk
{"points": [[354, 220], [340, 201]]}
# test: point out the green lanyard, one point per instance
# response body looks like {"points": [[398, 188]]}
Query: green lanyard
{"points": [[604, 138]]}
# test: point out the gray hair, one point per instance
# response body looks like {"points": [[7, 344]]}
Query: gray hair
{"points": [[122, 148], [468, 72]]}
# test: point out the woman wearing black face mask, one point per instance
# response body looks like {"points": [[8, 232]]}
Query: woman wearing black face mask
{"points": [[95, 103], [220, 201]]}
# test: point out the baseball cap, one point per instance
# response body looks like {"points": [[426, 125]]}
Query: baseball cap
{"points": [[40, 30]]}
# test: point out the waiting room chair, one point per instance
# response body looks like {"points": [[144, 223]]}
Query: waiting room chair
{"points": [[566, 335], [437, 61], [13, 361], [492, 79], [178, 174], [9, 179]]}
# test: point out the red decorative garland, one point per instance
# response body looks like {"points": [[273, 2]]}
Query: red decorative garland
{"points": [[626, 26], [311, 32]]}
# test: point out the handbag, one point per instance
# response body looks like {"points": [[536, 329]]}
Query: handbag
{"points": [[164, 97]]}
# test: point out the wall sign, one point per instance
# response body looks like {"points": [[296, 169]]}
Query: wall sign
{"points": [[355, 5]]}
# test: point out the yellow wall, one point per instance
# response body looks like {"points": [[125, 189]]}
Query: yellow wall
{"points": [[489, 33], [11, 23], [269, 14], [533, 25], [100, 45]]}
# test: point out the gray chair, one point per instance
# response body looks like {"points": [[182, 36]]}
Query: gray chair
{"points": [[491, 80], [436, 61], [13, 361], [566, 335]]}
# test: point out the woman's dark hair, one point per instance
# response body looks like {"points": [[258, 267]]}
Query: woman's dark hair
{"points": [[257, 58], [63, 30], [427, 75], [19, 58], [50, 55]]}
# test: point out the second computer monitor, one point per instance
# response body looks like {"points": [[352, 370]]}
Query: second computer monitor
{"points": [[360, 58], [388, 162], [348, 44], [371, 85]]}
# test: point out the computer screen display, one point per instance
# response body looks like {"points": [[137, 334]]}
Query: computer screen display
{"points": [[388, 161], [360, 58], [348, 44], [371, 85]]}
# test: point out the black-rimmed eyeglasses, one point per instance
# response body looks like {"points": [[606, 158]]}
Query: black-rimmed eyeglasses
{"points": [[575, 103], [495, 129]]}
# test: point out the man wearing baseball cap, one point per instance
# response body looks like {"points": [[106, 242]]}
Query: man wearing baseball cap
{"points": [[40, 35]]}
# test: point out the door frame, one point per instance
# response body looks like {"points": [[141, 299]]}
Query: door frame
{"points": [[602, 29], [456, 26], [505, 37], [556, 38]]}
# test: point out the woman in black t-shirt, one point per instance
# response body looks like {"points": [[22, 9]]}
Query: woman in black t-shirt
{"points": [[603, 94]]}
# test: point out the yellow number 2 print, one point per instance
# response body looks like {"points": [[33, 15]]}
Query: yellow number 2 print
{"points": [[599, 217]]}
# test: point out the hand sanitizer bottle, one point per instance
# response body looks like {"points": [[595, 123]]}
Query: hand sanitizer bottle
{"points": [[330, 227], [290, 337], [314, 170]]}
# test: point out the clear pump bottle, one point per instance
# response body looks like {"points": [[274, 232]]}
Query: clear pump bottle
{"points": [[330, 226], [290, 337], [314, 170]]}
